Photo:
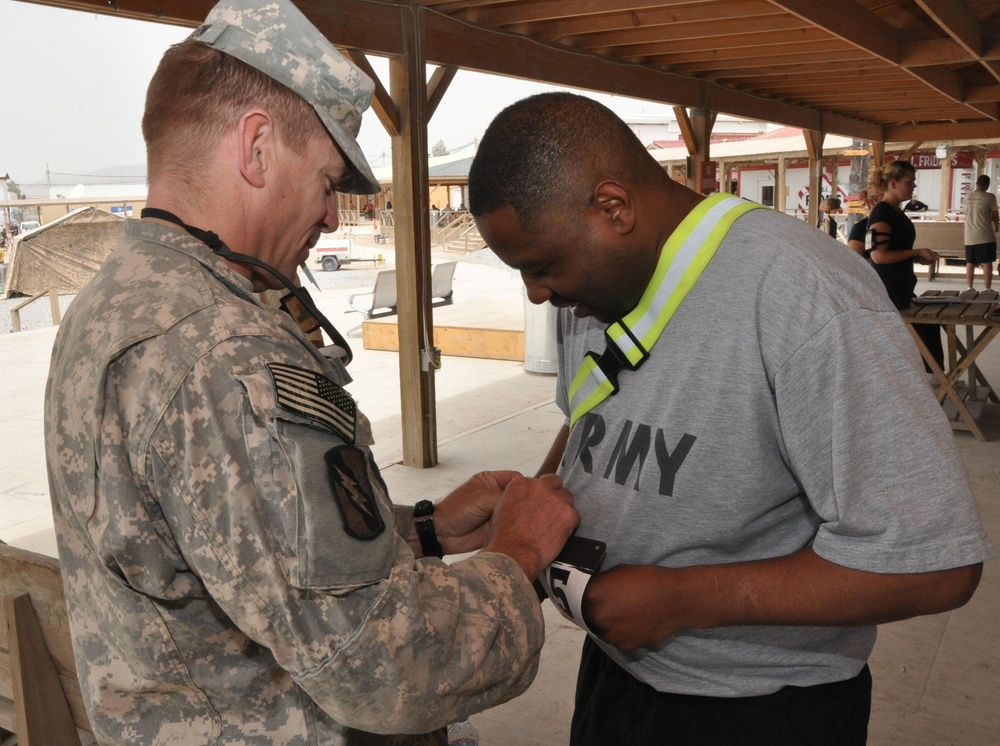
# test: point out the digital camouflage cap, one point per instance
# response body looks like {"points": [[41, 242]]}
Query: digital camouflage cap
{"points": [[274, 37]]}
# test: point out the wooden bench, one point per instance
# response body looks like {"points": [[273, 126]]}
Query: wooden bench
{"points": [[40, 696], [947, 238]]}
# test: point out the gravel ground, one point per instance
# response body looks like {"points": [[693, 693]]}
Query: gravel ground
{"points": [[361, 275]]}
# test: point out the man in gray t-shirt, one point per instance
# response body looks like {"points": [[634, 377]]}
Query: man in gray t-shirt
{"points": [[982, 221], [747, 429]]}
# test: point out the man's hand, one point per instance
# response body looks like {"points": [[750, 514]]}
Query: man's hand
{"points": [[532, 522], [925, 256], [617, 606], [460, 519]]}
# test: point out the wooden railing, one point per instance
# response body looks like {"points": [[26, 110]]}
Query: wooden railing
{"points": [[459, 235], [15, 314]]}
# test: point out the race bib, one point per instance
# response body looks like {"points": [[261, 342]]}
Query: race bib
{"points": [[566, 579]]}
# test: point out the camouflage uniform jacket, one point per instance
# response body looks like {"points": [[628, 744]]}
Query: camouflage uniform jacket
{"points": [[220, 589]]}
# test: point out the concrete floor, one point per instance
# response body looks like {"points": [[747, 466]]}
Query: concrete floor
{"points": [[937, 679]]}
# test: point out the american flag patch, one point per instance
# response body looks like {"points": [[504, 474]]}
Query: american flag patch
{"points": [[315, 396]]}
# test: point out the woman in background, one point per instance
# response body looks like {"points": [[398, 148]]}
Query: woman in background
{"points": [[856, 238], [892, 237]]}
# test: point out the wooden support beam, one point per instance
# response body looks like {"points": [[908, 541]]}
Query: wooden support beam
{"points": [[687, 129], [814, 146], [878, 153], [417, 358], [382, 103], [781, 184], [946, 184], [440, 80], [908, 153]]}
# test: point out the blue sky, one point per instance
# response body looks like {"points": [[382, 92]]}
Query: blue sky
{"points": [[74, 86]]}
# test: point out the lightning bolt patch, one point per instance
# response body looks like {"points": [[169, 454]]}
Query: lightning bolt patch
{"points": [[347, 469]]}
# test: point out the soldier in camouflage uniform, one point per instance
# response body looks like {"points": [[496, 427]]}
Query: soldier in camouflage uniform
{"points": [[234, 569]]}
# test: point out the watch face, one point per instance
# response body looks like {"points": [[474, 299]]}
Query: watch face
{"points": [[424, 507]]}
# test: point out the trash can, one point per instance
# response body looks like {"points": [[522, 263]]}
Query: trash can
{"points": [[540, 337]]}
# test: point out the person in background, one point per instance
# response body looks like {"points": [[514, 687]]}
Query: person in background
{"points": [[859, 231], [828, 220], [915, 205], [982, 222], [892, 239], [734, 432], [235, 572]]}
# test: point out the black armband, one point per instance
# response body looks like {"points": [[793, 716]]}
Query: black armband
{"points": [[878, 238]]}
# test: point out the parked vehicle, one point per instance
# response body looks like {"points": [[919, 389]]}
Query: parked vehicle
{"points": [[334, 250], [28, 225], [331, 251]]}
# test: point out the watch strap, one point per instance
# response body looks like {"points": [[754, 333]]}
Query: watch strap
{"points": [[423, 520]]}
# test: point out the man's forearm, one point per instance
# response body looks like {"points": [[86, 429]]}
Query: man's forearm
{"points": [[800, 589]]}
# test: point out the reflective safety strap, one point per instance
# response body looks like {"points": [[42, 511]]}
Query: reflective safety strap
{"points": [[682, 260]]}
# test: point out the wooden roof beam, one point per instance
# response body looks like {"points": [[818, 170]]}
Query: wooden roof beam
{"points": [[942, 131], [376, 27], [746, 44], [943, 52], [724, 31], [551, 10], [450, 42], [982, 93], [855, 24], [956, 19], [710, 62], [690, 16]]}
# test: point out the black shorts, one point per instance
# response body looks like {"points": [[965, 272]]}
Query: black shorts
{"points": [[613, 707], [981, 253]]}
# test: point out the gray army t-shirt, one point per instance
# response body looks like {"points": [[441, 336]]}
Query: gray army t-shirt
{"points": [[783, 405]]}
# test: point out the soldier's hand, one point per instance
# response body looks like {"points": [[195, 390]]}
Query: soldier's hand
{"points": [[532, 522], [460, 519]]}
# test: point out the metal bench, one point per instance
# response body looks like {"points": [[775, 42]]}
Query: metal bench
{"points": [[381, 299], [441, 279], [381, 296]]}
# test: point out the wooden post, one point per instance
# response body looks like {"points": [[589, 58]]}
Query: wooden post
{"points": [[814, 144], [418, 359], [945, 186], [696, 129], [780, 180]]}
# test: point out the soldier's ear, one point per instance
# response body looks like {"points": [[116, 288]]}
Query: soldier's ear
{"points": [[256, 143]]}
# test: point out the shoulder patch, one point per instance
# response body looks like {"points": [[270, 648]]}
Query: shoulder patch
{"points": [[347, 470], [316, 397]]}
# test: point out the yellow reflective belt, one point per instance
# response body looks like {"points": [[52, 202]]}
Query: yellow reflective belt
{"points": [[682, 260]]}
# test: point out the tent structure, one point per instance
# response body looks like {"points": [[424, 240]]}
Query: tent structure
{"points": [[64, 254]]}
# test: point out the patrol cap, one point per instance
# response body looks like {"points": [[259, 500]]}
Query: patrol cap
{"points": [[274, 37]]}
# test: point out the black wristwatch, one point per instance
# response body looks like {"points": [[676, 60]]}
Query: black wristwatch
{"points": [[423, 519]]}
